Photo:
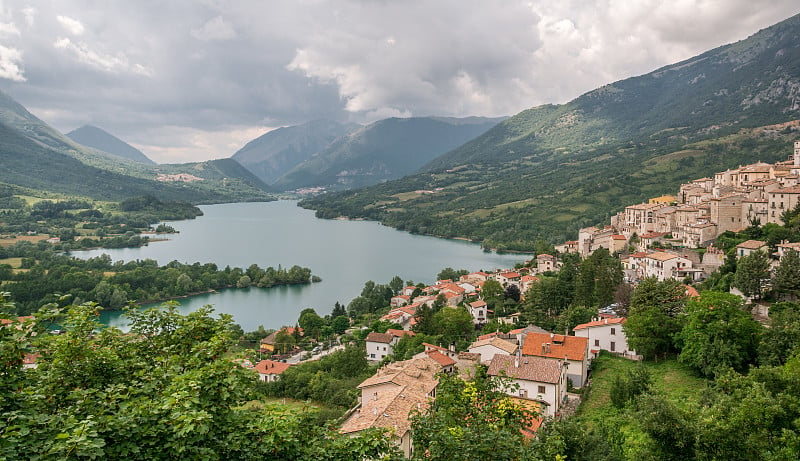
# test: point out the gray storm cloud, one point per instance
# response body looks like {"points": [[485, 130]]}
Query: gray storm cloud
{"points": [[186, 80]]}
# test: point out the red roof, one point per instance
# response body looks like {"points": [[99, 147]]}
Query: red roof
{"points": [[271, 367], [477, 304], [571, 347], [510, 275], [618, 237], [599, 323], [399, 333], [375, 337], [440, 358]]}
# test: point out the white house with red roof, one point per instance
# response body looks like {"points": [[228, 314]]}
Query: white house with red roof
{"points": [[573, 349], [606, 335], [270, 370], [533, 378], [400, 300], [508, 278], [379, 345], [480, 312]]}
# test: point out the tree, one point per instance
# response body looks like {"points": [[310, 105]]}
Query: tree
{"points": [[338, 310], [311, 323], [340, 324], [718, 334], [472, 420], [396, 284], [448, 273], [787, 276], [781, 340], [512, 292], [492, 293], [655, 316], [751, 272], [454, 325]]}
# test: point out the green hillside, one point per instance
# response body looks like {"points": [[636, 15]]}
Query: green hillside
{"points": [[386, 149], [34, 155], [551, 170]]}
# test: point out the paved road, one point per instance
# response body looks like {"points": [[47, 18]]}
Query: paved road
{"points": [[298, 358]]}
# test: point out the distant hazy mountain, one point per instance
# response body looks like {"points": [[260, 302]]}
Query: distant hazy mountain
{"points": [[550, 170], [34, 155], [274, 153], [386, 149], [97, 138]]}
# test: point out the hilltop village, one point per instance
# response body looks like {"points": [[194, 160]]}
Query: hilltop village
{"points": [[546, 371]]}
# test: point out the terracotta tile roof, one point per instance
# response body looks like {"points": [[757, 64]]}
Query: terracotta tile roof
{"points": [[573, 347], [477, 304], [529, 278], [505, 346], [375, 337], [389, 409], [510, 275], [653, 235], [692, 292], [270, 339], [614, 321], [420, 373], [440, 358], [399, 333], [662, 256], [270, 367], [751, 244], [31, 358], [618, 237], [537, 369]]}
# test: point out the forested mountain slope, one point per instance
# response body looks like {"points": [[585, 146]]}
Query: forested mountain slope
{"points": [[551, 170], [273, 154], [386, 149]]}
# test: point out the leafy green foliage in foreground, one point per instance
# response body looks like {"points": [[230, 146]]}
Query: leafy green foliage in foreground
{"points": [[163, 391]]}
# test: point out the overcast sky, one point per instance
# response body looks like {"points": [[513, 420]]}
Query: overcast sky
{"points": [[190, 80]]}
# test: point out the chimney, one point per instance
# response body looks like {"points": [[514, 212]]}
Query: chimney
{"points": [[605, 321]]}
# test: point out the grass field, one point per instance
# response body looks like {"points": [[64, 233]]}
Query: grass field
{"points": [[671, 379], [7, 242], [15, 263]]}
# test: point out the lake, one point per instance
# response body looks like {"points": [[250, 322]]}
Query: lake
{"points": [[345, 254]]}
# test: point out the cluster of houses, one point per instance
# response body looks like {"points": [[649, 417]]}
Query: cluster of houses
{"points": [[539, 368], [464, 291], [702, 210]]}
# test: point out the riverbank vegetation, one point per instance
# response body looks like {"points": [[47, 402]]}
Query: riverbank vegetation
{"points": [[43, 275]]}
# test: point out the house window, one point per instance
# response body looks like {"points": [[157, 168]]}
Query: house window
{"points": [[541, 390], [597, 342], [384, 348], [523, 393], [613, 346], [613, 331], [372, 356]]}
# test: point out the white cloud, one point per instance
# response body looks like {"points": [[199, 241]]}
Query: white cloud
{"points": [[9, 64], [177, 144], [73, 26], [8, 28], [30, 15], [214, 29], [106, 62]]}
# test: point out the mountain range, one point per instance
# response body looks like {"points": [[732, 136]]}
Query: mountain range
{"points": [[550, 170], [328, 154], [37, 157], [92, 136]]}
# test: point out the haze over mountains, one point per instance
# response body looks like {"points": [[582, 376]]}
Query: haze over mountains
{"points": [[100, 139], [550, 170]]}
